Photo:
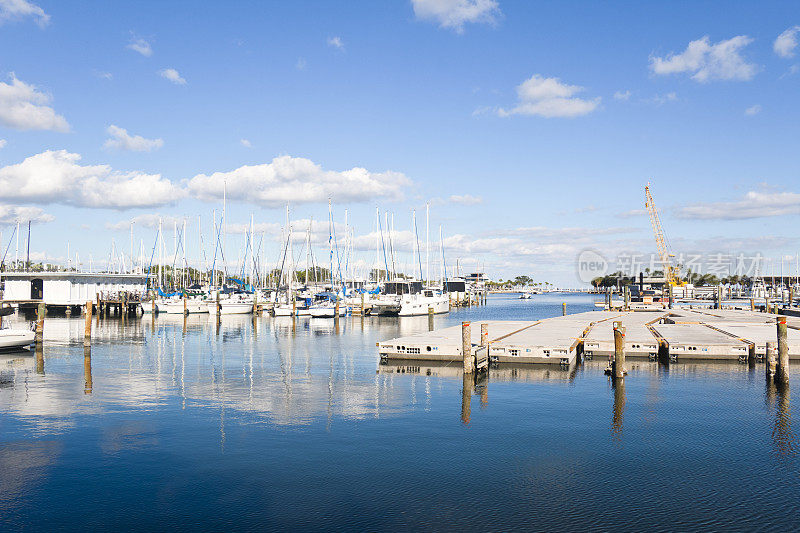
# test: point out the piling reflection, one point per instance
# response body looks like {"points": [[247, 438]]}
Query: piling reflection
{"points": [[618, 413], [87, 369], [783, 438], [468, 386]]}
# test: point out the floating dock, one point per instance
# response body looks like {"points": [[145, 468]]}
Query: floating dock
{"points": [[676, 334], [639, 338]]}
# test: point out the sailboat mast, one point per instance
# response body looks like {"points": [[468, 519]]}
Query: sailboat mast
{"points": [[377, 245], [414, 244], [427, 239], [330, 242], [160, 242]]}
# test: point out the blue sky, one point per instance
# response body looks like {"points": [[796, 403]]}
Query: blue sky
{"points": [[531, 127]]}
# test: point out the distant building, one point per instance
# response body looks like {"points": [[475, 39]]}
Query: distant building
{"points": [[68, 289], [476, 279]]}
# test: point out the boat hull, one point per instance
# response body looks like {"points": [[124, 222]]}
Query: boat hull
{"points": [[15, 339]]}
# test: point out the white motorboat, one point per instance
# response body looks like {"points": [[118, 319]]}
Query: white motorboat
{"points": [[233, 305], [415, 304], [15, 339], [326, 310], [176, 306]]}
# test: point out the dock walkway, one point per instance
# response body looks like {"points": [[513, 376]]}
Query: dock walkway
{"points": [[680, 334]]}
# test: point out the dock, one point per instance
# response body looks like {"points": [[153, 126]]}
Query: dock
{"points": [[669, 335]]}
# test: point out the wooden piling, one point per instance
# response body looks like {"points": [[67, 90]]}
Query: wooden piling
{"points": [[87, 369], [752, 304], [466, 348], [484, 334], [772, 359], [791, 295], [336, 309], [766, 305], [430, 318], [39, 354], [40, 312], [783, 350], [363, 304], [87, 327], [564, 309], [294, 306], [619, 370], [255, 303], [185, 305]]}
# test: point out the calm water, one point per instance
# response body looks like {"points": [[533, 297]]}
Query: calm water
{"points": [[265, 427]]}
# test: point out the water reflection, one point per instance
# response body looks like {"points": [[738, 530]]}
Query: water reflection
{"points": [[778, 399], [467, 387], [87, 369], [618, 413]]}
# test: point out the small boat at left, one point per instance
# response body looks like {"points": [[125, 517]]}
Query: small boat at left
{"points": [[15, 339]]}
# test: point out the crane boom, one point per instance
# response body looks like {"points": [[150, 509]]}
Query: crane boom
{"points": [[670, 272]]}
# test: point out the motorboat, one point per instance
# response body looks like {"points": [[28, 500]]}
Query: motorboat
{"points": [[15, 339], [326, 310], [408, 299], [175, 306], [237, 304]]}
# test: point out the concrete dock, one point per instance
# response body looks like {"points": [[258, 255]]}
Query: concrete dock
{"points": [[639, 339], [674, 335]]}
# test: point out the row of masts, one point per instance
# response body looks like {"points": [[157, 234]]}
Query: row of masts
{"points": [[176, 271]]}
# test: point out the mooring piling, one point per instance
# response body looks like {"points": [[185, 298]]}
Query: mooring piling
{"points": [[484, 335], [40, 312], [87, 327], [619, 369], [430, 318], [783, 350], [772, 359], [564, 309], [466, 348]]}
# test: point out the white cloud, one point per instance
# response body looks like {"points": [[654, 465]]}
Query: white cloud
{"points": [[548, 97], [246, 143], [19, 9], [454, 14], [336, 42], [786, 42], [708, 62], [298, 180], [661, 99], [172, 75], [466, 199], [141, 46], [24, 108], [754, 204], [633, 213], [3, 142], [56, 177], [622, 95], [104, 75], [11, 214], [753, 110], [301, 63], [122, 140]]}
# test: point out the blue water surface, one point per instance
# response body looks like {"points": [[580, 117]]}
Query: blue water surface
{"points": [[266, 425]]}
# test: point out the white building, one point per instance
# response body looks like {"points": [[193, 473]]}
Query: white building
{"points": [[68, 288]]}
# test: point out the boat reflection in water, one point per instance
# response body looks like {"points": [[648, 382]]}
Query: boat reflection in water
{"points": [[301, 412]]}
